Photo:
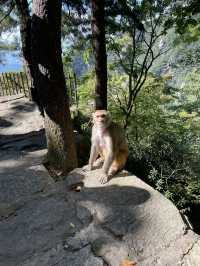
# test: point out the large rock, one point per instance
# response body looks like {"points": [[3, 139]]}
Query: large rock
{"points": [[78, 221], [21, 175], [124, 219], [18, 115], [132, 220]]}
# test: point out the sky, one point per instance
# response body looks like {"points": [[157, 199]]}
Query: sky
{"points": [[11, 61], [9, 37]]}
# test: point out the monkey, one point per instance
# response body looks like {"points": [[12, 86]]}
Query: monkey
{"points": [[108, 140]]}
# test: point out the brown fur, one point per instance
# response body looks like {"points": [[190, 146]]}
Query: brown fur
{"points": [[108, 141]]}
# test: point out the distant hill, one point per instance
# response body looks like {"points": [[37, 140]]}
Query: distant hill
{"points": [[179, 61]]}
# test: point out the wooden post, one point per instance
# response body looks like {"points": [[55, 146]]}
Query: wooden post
{"points": [[75, 88], [6, 84], [28, 87], [24, 90], [16, 83], [5, 92], [12, 83], [9, 84], [70, 89], [18, 80], [2, 86]]}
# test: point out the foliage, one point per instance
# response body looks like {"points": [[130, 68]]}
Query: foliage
{"points": [[154, 94], [7, 18], [165, 137], [163, 133], [86, 92], [184, 15], [133, 51]]}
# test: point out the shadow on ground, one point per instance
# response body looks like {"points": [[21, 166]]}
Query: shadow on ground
{"points": [[29, 141], [98, 218], [17, 106], [5, 123]]}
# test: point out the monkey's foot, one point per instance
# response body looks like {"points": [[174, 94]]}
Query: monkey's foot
{"points": [[103, 179], [113, 171]]}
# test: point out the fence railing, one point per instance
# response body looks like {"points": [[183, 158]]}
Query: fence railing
{"points": [[71, 82], [13, 83]]}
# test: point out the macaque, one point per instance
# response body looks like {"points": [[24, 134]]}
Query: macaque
{"points": [[108, 141]]}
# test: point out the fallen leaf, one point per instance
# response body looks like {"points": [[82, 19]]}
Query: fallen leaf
{"points": [[77, 187], [72, 225], [128, 263]]}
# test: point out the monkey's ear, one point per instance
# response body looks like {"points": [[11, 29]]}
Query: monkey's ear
{"points": [[108, 116], [93, 117]]}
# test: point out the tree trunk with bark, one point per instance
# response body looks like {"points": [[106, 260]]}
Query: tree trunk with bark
{"points": [[99, 46], [48, 78], [25, 33], [50, 81], [25, 28]]}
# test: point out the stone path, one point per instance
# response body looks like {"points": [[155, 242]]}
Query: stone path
{"points": [[47, 223]]}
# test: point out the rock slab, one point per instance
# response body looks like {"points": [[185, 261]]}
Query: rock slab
{"points": [[48, 223]]}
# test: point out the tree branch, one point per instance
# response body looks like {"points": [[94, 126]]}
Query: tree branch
{"points": [[117, 52], [12, 5], [131, 13]]}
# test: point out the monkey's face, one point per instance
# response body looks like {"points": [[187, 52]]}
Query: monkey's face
{"points": [[101, 118]]}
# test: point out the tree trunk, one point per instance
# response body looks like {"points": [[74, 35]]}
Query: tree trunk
{"points": [[99, 46], [48, 77], [25, 23], [25, 32]]}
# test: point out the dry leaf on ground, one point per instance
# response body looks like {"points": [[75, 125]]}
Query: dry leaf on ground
{"points": [[128, 263]]}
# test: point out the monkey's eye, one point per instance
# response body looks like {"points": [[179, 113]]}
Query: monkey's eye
{"points": [[100, 116]]}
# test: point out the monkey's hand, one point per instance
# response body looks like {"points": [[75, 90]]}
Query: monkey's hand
{"points": [[88, 168], [104, 178]]}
